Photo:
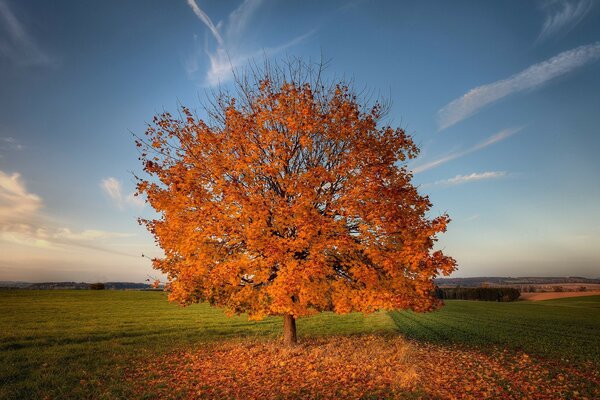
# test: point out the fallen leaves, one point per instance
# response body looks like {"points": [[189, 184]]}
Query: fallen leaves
{"points": [[464, 373], [357, 367], [341, 367]]}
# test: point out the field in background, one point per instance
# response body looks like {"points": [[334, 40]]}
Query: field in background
{"points": [[537, 296], [81, 344]]}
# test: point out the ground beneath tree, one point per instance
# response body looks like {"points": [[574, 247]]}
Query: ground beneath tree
{"points": [[357, 367]]}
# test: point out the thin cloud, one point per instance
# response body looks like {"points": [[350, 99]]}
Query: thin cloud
{"points": [[87, 235], [240, 18], [15, 200], [34, 233], [10, 143], [495, 138], [222, 64], [17, 44], [562, 16], [457, 154], [114, 189], [231, 51], [474, 177], [22, 223], [207, 21], [530, 78]]}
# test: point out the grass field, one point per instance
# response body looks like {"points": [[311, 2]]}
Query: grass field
{"points": [[563, 328], [78, 344], [52, 341]]}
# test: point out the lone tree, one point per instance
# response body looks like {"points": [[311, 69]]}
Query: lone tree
{"points": [[289, 198]]}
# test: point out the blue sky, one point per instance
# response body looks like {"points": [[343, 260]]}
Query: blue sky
{"points": [[502, 97]]}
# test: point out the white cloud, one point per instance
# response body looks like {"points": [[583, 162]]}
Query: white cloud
{"points": [[22, 223], [17, 45], [206, 19], [135, 201], [530, 78], [232, 49], [114, 189], [36, 232], [87, 235], [562, 16], [475, 176], [457, 154], [15, 201]]}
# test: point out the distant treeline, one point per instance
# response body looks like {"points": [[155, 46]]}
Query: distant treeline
{"points": [[480, 293], [75, 285], [510, 281]]}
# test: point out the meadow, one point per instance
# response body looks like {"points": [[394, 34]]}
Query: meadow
{"points": [[559, 329], [112, 344]]}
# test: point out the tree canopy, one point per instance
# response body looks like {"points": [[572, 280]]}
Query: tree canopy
{"points": [[290, 197]]}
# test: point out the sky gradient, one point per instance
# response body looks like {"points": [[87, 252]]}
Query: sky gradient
{"points": [[502, 97]]}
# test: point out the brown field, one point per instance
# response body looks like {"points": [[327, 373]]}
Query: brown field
{"points": [[556, 295], [575, 286], [550, 287]]}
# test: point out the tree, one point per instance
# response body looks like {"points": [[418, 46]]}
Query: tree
{"points": [[289, 198], [97, 286]]}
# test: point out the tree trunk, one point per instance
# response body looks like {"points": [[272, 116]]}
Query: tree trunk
{"points": [[289, 330]]}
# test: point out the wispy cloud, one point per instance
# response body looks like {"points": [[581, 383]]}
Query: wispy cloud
{"points": [[231, 36], [10, 143], [530, 78], [114, 189], [16, 43], [562, 16], [471, 218], [457, 154], [207, 21], [15, 200], [22, 223], [474, 177]]}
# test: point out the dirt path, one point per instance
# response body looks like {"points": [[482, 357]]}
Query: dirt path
{"points": [[556, 295]]}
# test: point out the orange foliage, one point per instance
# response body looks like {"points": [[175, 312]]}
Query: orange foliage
{"points": [[290, 199]]}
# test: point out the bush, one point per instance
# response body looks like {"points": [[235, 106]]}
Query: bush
{"points": [[97, 286], [481, 293]]}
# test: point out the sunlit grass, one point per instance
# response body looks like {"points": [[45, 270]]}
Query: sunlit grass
{"points": [[563, 328]]}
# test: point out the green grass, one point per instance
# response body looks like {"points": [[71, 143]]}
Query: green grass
{"points": [[77, 344], [567, 329]]}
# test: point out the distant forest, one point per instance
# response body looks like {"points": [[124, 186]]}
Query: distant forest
{"points": [[509, 281], [73, 285]]}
